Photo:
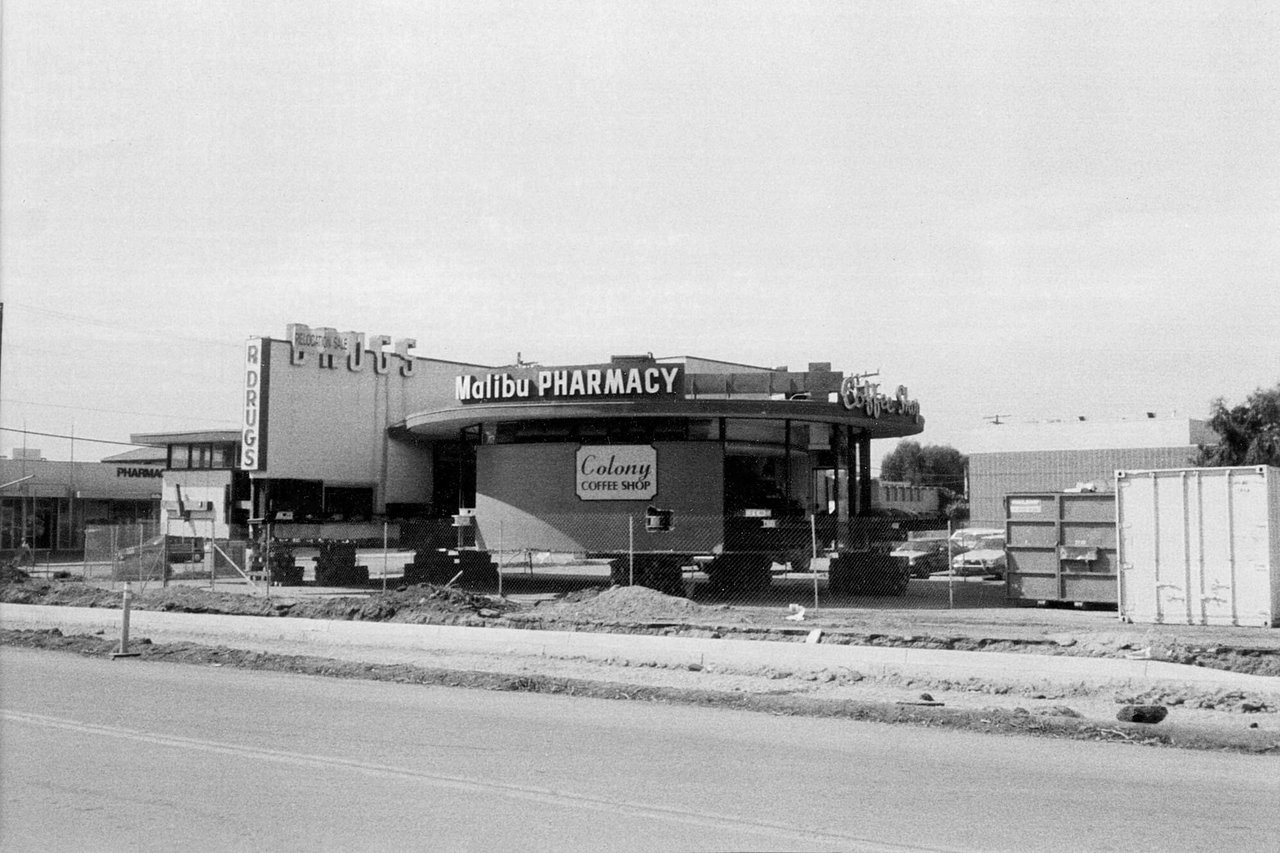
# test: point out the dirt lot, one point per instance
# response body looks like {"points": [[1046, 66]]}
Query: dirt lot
{"points": [[1198, 717]]}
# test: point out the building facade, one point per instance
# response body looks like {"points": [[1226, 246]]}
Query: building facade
{"points": [[1058, 455], [50, 503], [343, 426]]}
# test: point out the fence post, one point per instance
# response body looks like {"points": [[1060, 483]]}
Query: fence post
{"points": [[951, 572], [501, 555], [384, 555], [124, 652], [631, 550], [84, 560], [813, 543], [266, 554], [211, 556]]}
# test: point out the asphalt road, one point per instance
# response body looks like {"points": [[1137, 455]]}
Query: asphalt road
{"points": [[132, 755]]}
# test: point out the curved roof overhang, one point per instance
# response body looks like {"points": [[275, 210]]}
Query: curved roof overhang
{"points": [[445, 422]]}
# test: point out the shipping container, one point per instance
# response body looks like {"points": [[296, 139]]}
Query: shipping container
{"points": [[1061, 546], [1200, 546]]}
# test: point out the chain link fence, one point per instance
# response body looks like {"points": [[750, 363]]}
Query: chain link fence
{"points": [[813, 561], [141, 553], [809, 561]]}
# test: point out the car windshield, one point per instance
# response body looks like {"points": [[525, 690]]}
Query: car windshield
{"points": [[978, 538], [917, 547]]}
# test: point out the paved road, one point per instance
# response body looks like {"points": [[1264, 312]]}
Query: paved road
{"points": [[133, 755]]}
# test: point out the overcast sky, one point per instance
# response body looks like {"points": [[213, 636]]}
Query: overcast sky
{"points": [[1039, 210]]}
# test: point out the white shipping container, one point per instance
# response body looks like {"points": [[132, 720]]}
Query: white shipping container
{"points": [[1199, 546]]}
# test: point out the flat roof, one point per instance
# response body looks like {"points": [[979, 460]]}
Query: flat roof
{"points": [[206, 436], [447, 420]]}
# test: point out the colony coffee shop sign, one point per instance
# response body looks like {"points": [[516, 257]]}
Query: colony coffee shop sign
{"points": [[617, 472], [590, 382]]}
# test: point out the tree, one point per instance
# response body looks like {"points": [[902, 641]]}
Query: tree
{"points": [[1248, 434], [932, 465]]}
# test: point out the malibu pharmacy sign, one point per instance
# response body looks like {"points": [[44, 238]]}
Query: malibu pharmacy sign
{"points": [[591, 382]]}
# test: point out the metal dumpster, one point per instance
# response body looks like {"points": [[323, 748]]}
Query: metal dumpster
{"points": [[1200, 546], [1061, 546]]}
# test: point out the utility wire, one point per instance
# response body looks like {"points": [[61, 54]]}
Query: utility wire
{"points": [[71, 437], [114, 411], [118, 327]]}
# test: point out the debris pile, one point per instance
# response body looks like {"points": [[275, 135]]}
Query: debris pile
{"points": [[418, 604], [623, 604]]}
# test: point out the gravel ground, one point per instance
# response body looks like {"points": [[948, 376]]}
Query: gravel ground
{"points": [[1200, 718]]}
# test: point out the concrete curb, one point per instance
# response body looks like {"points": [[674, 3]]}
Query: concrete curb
{"points": [[374, 640]]}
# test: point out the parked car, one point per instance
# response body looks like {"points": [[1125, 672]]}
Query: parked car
{"points": [[181, 549], [982, 554], [923, 556]]}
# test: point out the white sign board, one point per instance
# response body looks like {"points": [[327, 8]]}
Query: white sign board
{"points": [[617, 472]]}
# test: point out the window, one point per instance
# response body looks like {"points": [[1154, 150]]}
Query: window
{"points": [[607, 430], [754, 431], [223, 456], [202, 456]]}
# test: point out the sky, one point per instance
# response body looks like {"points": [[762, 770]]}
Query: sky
{"points": [[1029, 209]]}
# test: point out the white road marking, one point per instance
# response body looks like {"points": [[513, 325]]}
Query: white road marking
{"points": [[522, 792]]}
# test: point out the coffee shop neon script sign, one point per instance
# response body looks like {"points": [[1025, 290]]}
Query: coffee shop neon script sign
{"points": [[616, 472]]}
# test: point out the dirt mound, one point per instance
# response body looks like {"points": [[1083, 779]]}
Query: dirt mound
{"points": [[624, 604], [417, 604], [59, 593], [185, 599], [10, 573]]}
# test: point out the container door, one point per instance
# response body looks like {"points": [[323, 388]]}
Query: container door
{"points": [[1176, 527], [1153, 537], [1212, 548], [1136, 515], [1250, 549]]}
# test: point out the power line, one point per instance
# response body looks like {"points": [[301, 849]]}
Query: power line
{"points": [[114, 411], [71, 437], [118, 327]]}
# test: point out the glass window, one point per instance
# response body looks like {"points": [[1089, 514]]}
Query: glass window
{"points": [[820, 437], [704, 429], [668, 429], [754, 431], [223, 456], [179, 456], [799, 435]]}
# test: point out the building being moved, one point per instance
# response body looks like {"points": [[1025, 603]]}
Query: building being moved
{"points": [[678, 456]]}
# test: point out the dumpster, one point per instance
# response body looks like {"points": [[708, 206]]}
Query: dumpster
{"points": [[1200, 546], [1061, 546]]}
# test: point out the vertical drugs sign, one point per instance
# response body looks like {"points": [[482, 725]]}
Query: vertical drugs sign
{"points": [[253, 426]]}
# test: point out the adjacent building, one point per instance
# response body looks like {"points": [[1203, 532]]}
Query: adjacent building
{"points": [[1084, 453], [50, 503]]}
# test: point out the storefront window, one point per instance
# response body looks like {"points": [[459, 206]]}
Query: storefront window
{"points": [[704, 429], [223, 456], [754, 431], [179, 456], [607, 430]]}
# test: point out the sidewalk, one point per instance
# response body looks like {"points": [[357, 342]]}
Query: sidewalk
{"points": [[386, 642]]}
